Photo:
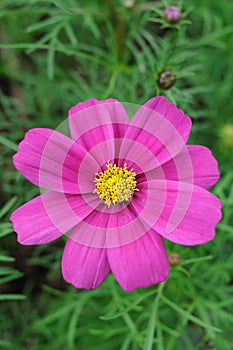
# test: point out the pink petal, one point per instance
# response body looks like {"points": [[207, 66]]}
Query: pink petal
{"points": [[161, 128], [93, 113], [205, 166], [83, 266], [175, 116], [189, 214], [51, 160], [194, 164], [141, 149], [47, 217], [199, 221], [140, 263], [93, 122], [108, 227], [115, 226]]}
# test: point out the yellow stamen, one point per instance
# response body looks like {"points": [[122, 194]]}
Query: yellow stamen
{"points": [[115, 184]]}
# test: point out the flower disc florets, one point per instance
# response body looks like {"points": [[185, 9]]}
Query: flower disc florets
{"points": [[115, 184]]}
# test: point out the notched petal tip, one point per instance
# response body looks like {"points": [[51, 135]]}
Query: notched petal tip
{"points": [[197, 219], [168, 109], [88, 104], [141, 263], [130, 289], [205, 166]]}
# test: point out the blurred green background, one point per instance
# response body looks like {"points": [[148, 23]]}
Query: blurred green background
{"points": [[57, 53]]}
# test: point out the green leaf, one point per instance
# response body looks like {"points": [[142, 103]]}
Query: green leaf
{"points": [[192, 318], [5, 229], [7, 207], [9, 144], [112, 316], [5, 258], [5, 297]]}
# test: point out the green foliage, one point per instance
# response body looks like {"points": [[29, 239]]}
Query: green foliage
{"points": [[57, 53]]}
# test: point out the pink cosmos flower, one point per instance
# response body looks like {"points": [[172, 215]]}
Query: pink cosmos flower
{"points": [[118, 187]]}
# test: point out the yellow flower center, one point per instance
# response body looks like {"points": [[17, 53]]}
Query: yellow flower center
{"points": [[115, 184]]}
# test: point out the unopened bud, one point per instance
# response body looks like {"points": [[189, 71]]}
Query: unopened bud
{"points": [[174, 259], [129, 3], [226, 134], [167, 79], [172, 14]]}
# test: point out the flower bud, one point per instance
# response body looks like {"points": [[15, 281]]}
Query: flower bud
{"points": [[129, 3], [166, 79], [172, 14], [174, 259], [226, 134]]}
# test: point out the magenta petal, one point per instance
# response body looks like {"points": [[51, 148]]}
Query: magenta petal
{"points": [[140, 263], [111, 227], [194, 164], [51, 160], [205, 166], [94, 113], [83, 266], [47, 217], [141, 154], [174, 115], [160, 128], [98, 123], [190, 213]]}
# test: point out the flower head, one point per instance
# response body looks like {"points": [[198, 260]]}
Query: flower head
{"points": [[119, 188]]}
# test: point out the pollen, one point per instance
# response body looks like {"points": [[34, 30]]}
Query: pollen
{"points": [[115, 184]]}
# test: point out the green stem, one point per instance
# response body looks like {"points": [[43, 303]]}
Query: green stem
{"points": [[153, 319]]}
